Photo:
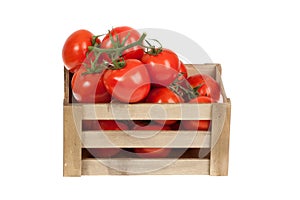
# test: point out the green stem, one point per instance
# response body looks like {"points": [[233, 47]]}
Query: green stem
{"points": [[118, 51]]}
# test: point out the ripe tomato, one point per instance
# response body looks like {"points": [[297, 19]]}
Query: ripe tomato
{"points": [[119, 34], [208, 86], [163, 95], [163, 68], [183, 71], [103, 152], [152, 127], [112, 125], [202, 125], [152, 152], [89, 88], [129, 84], [75, 49]]}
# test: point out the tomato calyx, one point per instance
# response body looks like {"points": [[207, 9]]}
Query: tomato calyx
{"points": [[117, 64], [94, 40], [151, 49]]}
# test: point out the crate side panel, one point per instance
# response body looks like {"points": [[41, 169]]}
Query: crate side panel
{"points": [[72, 142], [220, 139]]}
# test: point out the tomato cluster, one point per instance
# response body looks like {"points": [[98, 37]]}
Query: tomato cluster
{"points": [[121, 68]]}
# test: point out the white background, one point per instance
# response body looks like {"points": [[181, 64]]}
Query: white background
{"points": [[257, 43]]}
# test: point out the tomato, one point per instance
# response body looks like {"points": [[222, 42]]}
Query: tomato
{"points": [[176, 126], [152, 152], [163, 95], [120, 33], [163, 67], [202, 125], [103, 152], [75, 49], [112, 125], [182, 71], [152, 127], [129, 84], [89, 88], [207, 85]]}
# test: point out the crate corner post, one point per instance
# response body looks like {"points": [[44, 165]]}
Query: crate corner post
{"points": [[71, 141], [219, 160]]}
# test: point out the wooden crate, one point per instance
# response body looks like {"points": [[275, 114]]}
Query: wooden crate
{"points": [[216, 140]]}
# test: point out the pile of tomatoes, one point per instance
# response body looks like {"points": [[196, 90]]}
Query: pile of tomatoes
{"points": [[125, 67]]}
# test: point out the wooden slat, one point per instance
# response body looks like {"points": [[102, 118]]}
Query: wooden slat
{"points": [[146, 111], [209, 69], [220, 82], [72, 142], [131, 139], [220, 139], [132, 166]]}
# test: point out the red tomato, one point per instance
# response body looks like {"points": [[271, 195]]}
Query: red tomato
{"points": [[176, 126], [202, 125], [103, 152], [75, 49], [152, 152], [120, 33], [89, 88], [129, 84], [163, 95], [163, 68], [112, 125], [152, 127], [182, 71], [208, 86]]}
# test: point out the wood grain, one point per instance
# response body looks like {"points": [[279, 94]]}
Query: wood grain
{"points": [[146, 111], [71, 141], [135, 139], [132, 166], [220, 139]]}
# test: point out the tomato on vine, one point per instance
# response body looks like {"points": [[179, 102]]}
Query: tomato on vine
{"points": [[123, 36], [162, 65], [88, 87], [75, 48], [183, 71], [205, 85], [127, 80]]}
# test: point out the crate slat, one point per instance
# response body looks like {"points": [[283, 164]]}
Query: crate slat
{"points": [[132, 166], [146, 111], [135, 139]]}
